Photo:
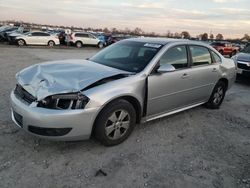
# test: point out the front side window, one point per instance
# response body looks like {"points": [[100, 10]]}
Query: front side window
{"points": [[200, 55], [82, 35], [129, 56], [35, 34], [176, 56]]}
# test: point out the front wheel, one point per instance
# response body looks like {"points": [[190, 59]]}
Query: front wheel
{"points": [[115, 123], [21, 42], [217, 95], [100, 45]]}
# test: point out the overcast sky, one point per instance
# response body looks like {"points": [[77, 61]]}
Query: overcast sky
{"points": [[230, 17]]}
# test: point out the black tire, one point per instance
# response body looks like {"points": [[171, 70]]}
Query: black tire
{"points": [[51, 43], [79, 44], [100, 45], [21, 42], [221, 52], [217, 97], [107, 124]]}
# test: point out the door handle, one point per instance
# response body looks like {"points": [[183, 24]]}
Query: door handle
{"points": [[185, 75], [214, 70]]}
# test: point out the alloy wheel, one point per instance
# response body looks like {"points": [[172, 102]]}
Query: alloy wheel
{"points": [[218, 95], [21, 43], [117, 124]]}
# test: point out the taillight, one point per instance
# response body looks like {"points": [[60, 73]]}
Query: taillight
{"points": [[71, 37]]}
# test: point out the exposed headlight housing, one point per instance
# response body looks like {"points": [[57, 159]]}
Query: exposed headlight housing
{"points": [[64, 101]]}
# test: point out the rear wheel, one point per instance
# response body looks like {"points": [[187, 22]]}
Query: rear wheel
{"points": [[78, 44], [221, 52], [51, 43], [21, 42], [217, 95], [115, 123]]}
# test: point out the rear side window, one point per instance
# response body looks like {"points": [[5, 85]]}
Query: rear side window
{"points": [[200, 55], [40, 34], [217, 58], [176, 56], [82, 35]]}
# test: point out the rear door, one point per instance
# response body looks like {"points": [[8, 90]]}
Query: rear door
{"points": [[33, 38], [204, 72], [44, 38]]}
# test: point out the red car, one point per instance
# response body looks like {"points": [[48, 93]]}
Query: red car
{"points": [[225, 48]]}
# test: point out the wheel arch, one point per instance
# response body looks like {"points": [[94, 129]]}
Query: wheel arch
{"points": [[131, 99], [21, 39], [79, 41], [225, 80]]}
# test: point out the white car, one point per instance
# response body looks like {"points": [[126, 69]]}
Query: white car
{"points": [[80, 38], [37, 38]]}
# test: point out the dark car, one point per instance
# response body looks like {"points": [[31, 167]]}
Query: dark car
{"points": [[243, 61], [3, 33], [225, 48], [114, 39]]}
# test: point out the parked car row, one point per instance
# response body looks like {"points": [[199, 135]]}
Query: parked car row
{"points": [[21, 37]]}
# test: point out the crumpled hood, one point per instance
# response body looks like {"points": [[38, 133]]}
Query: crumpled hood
{"points": [[42, 80], [243, 57]]}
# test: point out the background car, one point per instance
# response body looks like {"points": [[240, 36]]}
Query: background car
{"points": [[5, 30], [225, 48], [104, 38], [242, 60], [115, 38], [83, 38], [11, 36], [37, 38]]}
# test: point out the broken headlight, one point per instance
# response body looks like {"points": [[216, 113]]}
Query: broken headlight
{"points": [[64, 101]]}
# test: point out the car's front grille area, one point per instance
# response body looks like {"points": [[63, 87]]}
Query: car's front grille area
{"points": [[23, 94], [243, 66]]}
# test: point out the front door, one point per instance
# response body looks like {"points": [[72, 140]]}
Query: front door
{"points": [[170, 90]]}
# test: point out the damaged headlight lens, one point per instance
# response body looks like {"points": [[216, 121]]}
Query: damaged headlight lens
{"points": [[65, 101]]}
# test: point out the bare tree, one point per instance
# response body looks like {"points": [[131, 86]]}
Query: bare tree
{"points": [[204, 37], [219, 36], [211, 36], [185, 35]]}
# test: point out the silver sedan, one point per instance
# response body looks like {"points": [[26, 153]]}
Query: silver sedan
{"points": [[130, 82]]}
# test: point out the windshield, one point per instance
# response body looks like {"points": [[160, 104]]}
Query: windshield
{"points": [[246, 49], [129, 56]]}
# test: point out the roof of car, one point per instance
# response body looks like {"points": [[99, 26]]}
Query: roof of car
{"points": [[162, 41], [165, 41]]}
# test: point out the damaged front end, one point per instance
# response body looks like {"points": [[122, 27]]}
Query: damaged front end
{"points": [[58, 101]]}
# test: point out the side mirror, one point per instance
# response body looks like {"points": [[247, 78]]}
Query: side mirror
{"points": [[166, 68]]}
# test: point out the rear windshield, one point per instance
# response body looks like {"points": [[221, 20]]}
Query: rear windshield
{"points": [[129, 56]]}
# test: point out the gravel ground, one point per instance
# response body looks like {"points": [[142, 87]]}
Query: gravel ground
{"points": [[195, 148]]}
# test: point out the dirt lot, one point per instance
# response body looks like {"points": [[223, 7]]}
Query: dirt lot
{"points": [[196, 148]]}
